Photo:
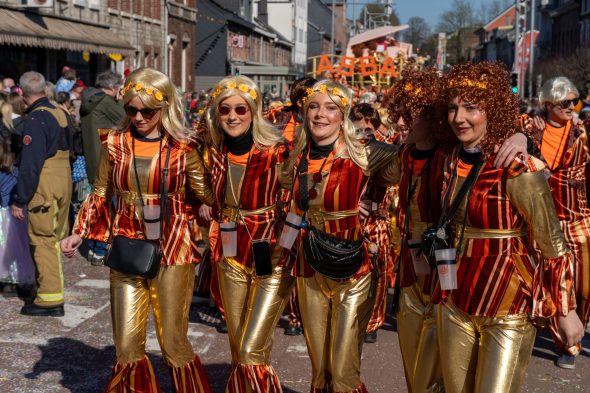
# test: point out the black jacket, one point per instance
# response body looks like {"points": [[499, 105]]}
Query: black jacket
{"points": [[42, 138]]}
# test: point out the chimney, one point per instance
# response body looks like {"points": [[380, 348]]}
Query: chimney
{"points": [[263, 12]]}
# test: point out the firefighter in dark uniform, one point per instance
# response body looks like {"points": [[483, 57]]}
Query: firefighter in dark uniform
{"points": [[44, 189]]}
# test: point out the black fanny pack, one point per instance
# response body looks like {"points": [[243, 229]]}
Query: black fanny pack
{"points": [[327, 254], [333, 257]]}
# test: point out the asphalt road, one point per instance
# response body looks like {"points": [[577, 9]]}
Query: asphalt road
{"points": [[75, 353]]}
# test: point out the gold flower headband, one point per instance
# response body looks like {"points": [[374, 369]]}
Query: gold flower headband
{"points": [[417, 91], [324, 90], [468, 83], [244, 88], [150, 91]]}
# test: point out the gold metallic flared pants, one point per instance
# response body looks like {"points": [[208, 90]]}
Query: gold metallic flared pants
{"points": [[416, 328], [170, 294], [335, 316], [483, 354], [253, 306]]}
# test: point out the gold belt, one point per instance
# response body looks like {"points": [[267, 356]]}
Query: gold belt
{"points": [[477, 233], [321, 216], [132, 196], [232, 213]]}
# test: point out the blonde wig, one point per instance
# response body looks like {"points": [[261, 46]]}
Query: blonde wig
{"points": [[156, 91], [556, 90], [342, 97], [265, 135], [6, 112]]}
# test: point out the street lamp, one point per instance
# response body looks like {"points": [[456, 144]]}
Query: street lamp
{"points": [[332, 33]]}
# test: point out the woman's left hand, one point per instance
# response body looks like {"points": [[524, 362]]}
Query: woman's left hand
{"points": [[513, 146], [206, 212]]}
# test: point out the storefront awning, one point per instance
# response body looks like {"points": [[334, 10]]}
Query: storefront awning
{"points": [[35, 30]]}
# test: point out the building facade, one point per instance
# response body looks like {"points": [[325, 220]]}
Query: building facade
{"points": [[319, 30], [75, 33], [235, 39], [295, 32]]}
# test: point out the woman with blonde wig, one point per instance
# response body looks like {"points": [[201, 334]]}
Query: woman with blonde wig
{"points": [[245, 155], [134, 158], [334, 271]]}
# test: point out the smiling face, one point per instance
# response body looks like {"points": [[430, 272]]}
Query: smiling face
{"points": [[562, 112], [235, 116], [324, 119], [468, 122], [146, 120], [403, 129]]}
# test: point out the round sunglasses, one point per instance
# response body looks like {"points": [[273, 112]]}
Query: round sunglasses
{"points": [[566, 103], [240, 110], [146, 113]]}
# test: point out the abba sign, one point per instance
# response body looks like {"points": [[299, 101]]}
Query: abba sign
{"points": [[365, 65]]}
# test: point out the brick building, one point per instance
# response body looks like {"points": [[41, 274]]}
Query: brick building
{"points": [[75, 33]]}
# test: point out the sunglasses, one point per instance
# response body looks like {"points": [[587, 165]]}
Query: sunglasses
{"points": [[240, 110], [146, 113], [364, 130], [567, 103]]}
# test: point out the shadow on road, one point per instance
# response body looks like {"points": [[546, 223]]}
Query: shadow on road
{"points": [[83, 368]]}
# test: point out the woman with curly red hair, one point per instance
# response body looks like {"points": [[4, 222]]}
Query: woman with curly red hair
{"points": [[490, 285], [415, 98]]}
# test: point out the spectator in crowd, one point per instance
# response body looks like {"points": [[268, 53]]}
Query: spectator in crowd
{"points": [[18, 105], [67, 80], [16, 265], [99, 109], [8, 84], [76, 97], [43, 195]]}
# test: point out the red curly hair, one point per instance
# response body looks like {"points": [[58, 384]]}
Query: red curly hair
{"points": [[487, 85]]}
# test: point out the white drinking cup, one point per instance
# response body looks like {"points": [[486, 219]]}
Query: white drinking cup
{"points": [[447, 268], [290, 230], [229, 238], [421, 266], [151, 219]]}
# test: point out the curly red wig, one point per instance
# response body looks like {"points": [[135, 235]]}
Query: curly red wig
{"points": [[487, 85]]}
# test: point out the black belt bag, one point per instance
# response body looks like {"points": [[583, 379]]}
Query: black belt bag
{"points": [[333, 257]]}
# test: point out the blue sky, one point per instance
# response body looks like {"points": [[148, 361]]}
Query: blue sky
{"points": [[427, 9]]}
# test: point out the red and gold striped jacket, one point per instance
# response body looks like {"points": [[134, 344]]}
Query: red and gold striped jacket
{"points": [[377, 228], [568, 179], [496, 272], [424, 208], [335, 210], [115, 176], [260, 188]]}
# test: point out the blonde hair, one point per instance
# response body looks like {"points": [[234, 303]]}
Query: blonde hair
{"points": [[265, 135], [146, 83], [6, 112], [556, 89], [342, 97]]}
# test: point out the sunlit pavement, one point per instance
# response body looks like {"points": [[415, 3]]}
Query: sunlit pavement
{"points": [[75, 353]]}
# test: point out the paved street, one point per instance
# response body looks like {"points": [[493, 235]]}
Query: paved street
{"points": [[75, 353]]}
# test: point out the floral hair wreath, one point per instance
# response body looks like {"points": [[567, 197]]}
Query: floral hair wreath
{"points": [[244, 88], [418, 91], [468, 83], [150, 91], [324, 90]]}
